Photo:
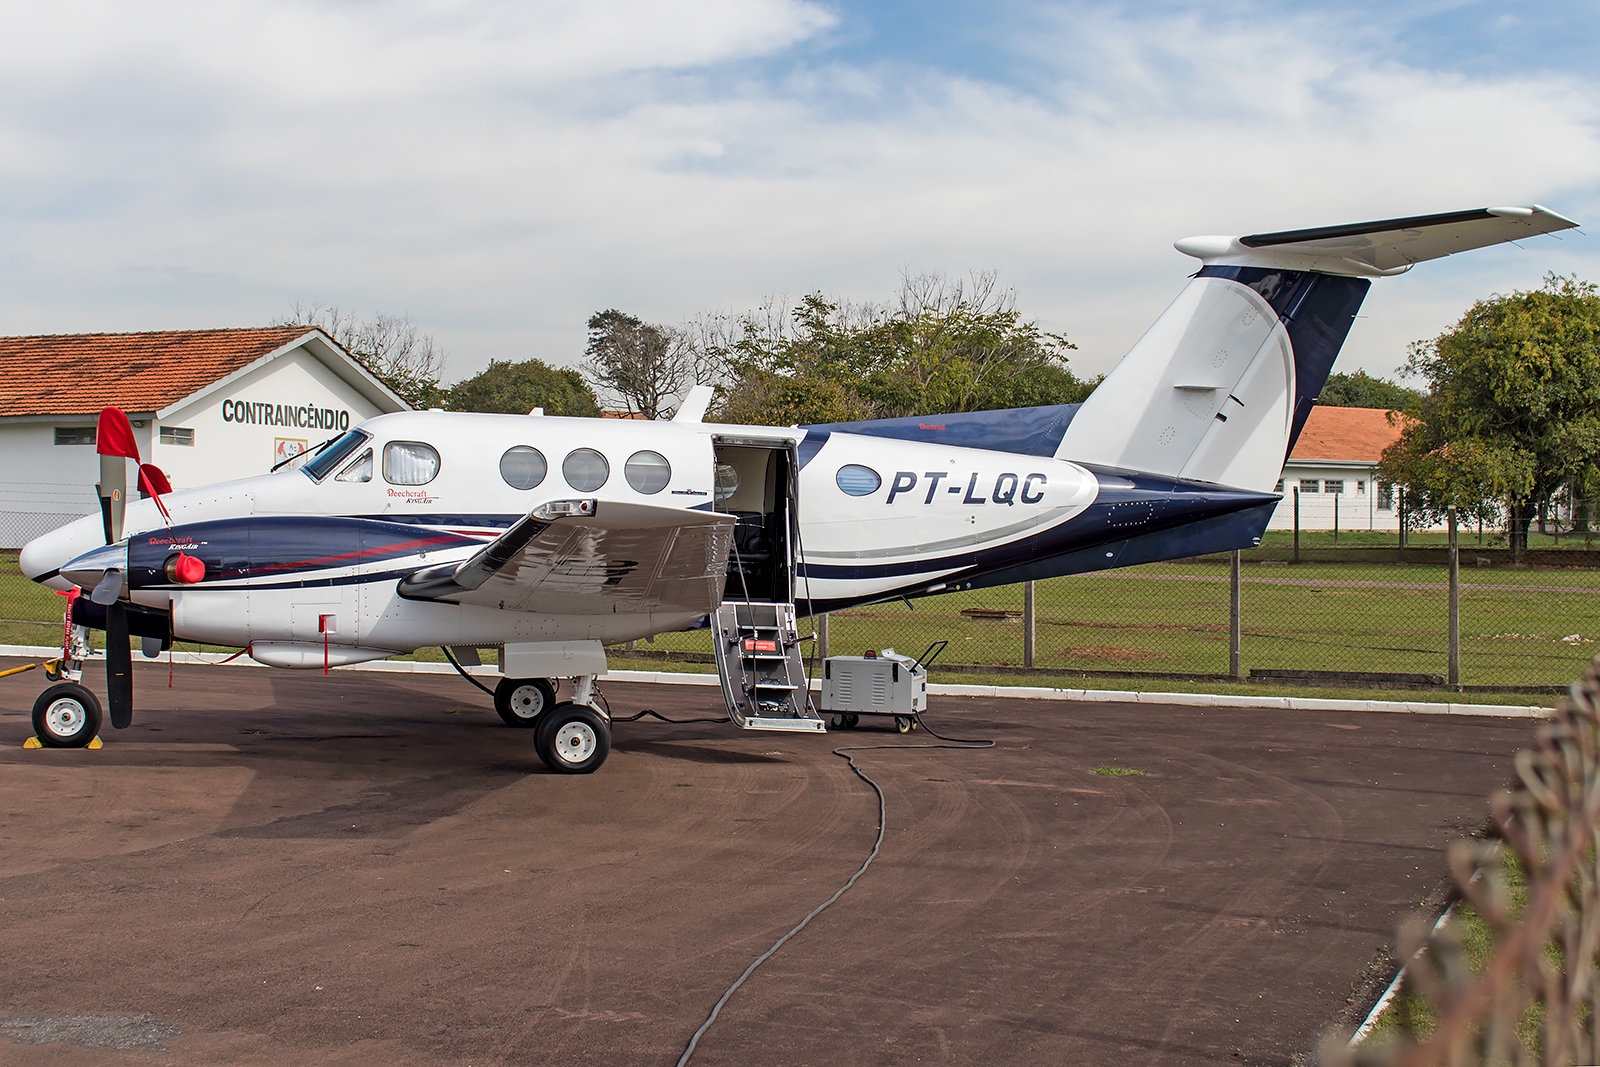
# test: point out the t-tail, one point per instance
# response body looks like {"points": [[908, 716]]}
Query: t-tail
{"points": [[1219, 388]]}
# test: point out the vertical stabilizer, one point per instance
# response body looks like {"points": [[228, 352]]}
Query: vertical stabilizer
{"points": [[1219, 387]]}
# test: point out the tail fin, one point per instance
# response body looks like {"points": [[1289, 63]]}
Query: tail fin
{"points": [[1218, 389]]}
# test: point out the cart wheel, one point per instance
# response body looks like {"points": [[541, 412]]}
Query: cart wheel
{"points": [[850, 720], [904, 723], [838, 721]]}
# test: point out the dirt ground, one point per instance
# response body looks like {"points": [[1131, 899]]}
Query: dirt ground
{"points": [[281, 868]]}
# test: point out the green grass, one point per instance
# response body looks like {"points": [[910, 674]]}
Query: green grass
{"points": [[1477, 942], [1117, 772], [1517, 626]]}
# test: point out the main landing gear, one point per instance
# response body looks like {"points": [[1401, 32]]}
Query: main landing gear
{"points": [[520, 701], [572, 737]]}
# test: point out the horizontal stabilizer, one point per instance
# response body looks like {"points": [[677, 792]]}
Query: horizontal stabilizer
{"points": [[1377, 249]]}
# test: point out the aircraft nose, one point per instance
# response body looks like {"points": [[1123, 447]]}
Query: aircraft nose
{"points": [[97, 567]]}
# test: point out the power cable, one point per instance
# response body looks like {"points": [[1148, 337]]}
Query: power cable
{"points": [[842, 752]]}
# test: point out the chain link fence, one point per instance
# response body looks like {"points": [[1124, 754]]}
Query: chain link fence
{"points": [[1345, 617]]}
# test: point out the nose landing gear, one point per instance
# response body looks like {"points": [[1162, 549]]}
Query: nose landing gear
{"points": [[66, 716]]}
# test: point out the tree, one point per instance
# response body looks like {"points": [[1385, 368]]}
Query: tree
{"points": [[643, 366], [518, 388], [945, 346], [1361, 390], [392, 347], [1512, 412]]}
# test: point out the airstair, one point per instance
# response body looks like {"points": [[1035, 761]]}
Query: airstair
{"points": [[761, 667]]}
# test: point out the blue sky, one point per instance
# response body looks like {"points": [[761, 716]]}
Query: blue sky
{"points": [[501, 170]]}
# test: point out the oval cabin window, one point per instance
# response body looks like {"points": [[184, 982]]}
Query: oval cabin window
{"points": [[409, 463], [585, 470], [857, 480], [647, 472], [523, 467]]}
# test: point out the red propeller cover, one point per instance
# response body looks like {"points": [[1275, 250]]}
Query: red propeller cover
{"points": [[115, 435], [152, 480]]}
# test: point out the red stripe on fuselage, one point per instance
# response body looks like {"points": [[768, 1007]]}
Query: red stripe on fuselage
{"points": [[323, 561]]}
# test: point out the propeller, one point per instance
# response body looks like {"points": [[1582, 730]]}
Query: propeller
{"points": [[115, 443]]}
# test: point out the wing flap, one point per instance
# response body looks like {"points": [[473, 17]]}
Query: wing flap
{"points": [[632, 558]]}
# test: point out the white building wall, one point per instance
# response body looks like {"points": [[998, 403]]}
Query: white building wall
{"points": [[44, 485], [237, 431]]}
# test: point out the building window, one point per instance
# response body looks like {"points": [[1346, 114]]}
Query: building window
{"points": [[1385, 497], [1309, 485], [75, 435], [177, 435], [1361, 488], [1333, 487], [1279, 487]]}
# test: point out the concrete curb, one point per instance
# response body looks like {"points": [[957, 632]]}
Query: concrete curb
{"points": [[1024, 692]]}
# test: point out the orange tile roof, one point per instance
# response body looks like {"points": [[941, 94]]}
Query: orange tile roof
{"points": [[1358, 434], [80, 373]]}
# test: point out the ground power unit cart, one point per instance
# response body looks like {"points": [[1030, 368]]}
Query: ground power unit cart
{"points": [[878, 683]]}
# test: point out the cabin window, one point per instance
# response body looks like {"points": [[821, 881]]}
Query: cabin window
{"points": [[1309, 485], [359, 470], [177, 435], [409, 463], [856, 480], [585, 469], [523, 467], [647, 472], [75, 435], [330, 454], [1333, 487]]}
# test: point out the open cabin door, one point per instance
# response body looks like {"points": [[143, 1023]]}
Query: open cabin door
{"points": [[759, 658]]}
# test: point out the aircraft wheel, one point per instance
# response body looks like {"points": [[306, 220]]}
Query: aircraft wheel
{"points": [[904, 723], [572, 739], [520, 701], [66, 716]]}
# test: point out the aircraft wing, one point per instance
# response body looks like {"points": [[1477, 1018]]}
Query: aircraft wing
{"points": [[586, 557], [1376, 249]]}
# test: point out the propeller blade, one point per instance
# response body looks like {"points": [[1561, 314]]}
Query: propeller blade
{"points": [[119, 666]]}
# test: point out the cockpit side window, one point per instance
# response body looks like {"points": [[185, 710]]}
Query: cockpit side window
{"points": [[359, 470], [328, 458]]}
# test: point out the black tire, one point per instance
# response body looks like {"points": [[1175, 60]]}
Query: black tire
{"points": [[66, 716], [850, 720], [520, 701], [572, 739]]}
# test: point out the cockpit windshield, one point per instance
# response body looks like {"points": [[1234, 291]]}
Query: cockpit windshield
{"points": [[325, 461]]}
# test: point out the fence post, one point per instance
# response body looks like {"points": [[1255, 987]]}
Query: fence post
{"points": [[1336, 497], [1235, 667], [1455, 601], [822, 635], [1400, 515], [1297, 524], [1027, 624]]}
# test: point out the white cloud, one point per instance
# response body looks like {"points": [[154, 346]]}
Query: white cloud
{"points": [[500, 171]]}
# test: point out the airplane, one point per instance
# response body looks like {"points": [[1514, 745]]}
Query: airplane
{"points": [[550, 538]]}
